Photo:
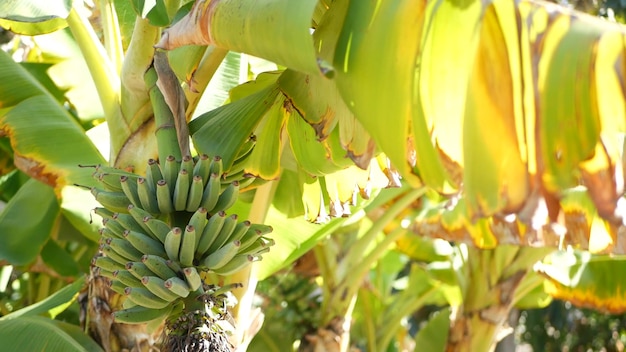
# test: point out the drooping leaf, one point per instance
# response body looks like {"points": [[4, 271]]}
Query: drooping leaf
{"points": [[56, 302], [32, 17], [434, 336], [224, 130], [586, 280], [26, 222], [237, 25], [264, 162], [43, 334]]}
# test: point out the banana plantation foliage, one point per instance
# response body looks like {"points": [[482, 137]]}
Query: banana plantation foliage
{"points": [[221, 175]]}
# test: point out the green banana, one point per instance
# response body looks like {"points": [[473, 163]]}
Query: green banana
{"points": [[228, 197], [140, 217], [143, 297], [172, 243], [170, 172], [139, 314], [127, 222], [158, 228], [106, 233], [187, 164], [124, 248], [158, 265], [114, 201], [164, 197], [202, 168], [234, 265], [153, 174], [126, 278], [104, 213], [139, 269], [216, 166], [211, 193], [156, 285], [195, 194], [128, 304], [109, 252], [240, 230], [187, 246], [246, 181], [117, 286], [231, 177], [192, 277], [210, 232], [174, 265], [97, 271], [181, 190], [114, 227], [223, 236], [262, 245], [108, 181], [147, 196], [129, 187], [198, 220], [107, 263], [178, 286], [144, 243], [222, 256]]}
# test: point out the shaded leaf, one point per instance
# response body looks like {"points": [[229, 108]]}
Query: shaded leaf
{"points": [[434, 336], [58, 259]]}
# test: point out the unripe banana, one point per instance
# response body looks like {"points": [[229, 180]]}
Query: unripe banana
{"points": [[144, 243], [173, 264], [129, 187], [227, 198], [157, 286], [246, 181], [210, 232], [104, 213], [164, 197], [257, 248], [109, 252], [192, 277], [198, 220], [114, 227], [103, 272], [153, 174], [147, 196], [139, 314], [211, 193], [127, 222], [158, 266], [114, 201], [234, 265], [140, 215], [127, 278], [143, 297], [139, 270], [158, 228], [170, 172], [117, 286], [231, 177], [225, 233], [264, 229], [245, 151], [108, 181], [128, 304], [216, 166], [195, 194], [107, 263], [178, 286], [240, 230], [124, 248], [187, 164], [222, 256], [181, 190], [187, 246], [172, 243], [202, 168], [106, 233]]}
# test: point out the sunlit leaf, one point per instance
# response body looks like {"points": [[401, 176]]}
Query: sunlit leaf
{"points": [[32, 17]]}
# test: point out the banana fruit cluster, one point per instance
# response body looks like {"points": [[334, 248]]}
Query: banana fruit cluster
{"points": [[154, 264]]}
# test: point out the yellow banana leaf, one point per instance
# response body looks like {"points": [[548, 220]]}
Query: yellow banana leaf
{"points": [[34, 17], [587, 280]]}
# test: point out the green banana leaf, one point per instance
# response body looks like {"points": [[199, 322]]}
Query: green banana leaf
{"points": [[434, 336]]}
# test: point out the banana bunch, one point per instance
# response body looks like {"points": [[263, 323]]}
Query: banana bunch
{"points": [[175, 185], [155, 265]]}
